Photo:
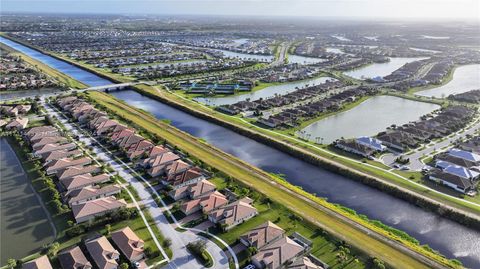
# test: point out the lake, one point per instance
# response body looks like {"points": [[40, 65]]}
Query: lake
{"points": [[244, 56], [264, 93], [465, 78], [368, 118], [25, 227], [304, 60], [380, 69]]}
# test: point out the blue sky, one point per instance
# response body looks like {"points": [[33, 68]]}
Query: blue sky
{"points": [[368, 9]]}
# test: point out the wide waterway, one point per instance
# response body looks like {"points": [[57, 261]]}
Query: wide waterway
{"points": [[465, 78], [25, 226], [450, 238], [264, 93], [368, 118]]}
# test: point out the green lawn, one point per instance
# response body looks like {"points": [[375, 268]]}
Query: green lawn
{"points": [[284, 193]]}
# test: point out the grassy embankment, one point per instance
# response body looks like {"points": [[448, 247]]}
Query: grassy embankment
{"points": [[311, 208], [47, 70], [371, 168]]}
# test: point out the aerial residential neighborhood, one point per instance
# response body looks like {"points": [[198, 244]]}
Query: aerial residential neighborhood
{"points": [[239, 134]]}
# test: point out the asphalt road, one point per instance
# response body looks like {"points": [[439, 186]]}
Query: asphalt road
{"points": [[181, 257]]}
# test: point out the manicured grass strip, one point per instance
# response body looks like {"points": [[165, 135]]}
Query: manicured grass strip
{"points": [[312, 208]]}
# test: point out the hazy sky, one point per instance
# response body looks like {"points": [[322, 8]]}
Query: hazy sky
{"points": [[420, 9]]}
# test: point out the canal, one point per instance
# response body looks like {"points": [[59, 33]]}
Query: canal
{"points": [[450, 238], [25, 226]]}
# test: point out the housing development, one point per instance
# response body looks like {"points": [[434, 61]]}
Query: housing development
{"points": [[184, 141]]}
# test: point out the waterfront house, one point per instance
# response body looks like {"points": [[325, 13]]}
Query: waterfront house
{"points": [[95, 208], [88, 193], [353, 146], [184, 177], [262, 235], [453, 181], [129, 244], [231, 215], [104, 255], [39, 263], [73, 258], [17, 123], [457, 170], [372, 143]]}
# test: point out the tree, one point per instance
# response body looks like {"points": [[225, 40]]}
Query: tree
{"points": [[124, 266], [108, 228], [167, 242], [11, 263], [53, 249]]}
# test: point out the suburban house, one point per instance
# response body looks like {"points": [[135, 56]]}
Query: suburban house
{"points": [[94, 208], [73, 258], [453, 181], [353, 146], [39, 263], [192, 191], [41, 131], [103, 253], [53, 147], [62, 164], [48, 140], [304, 263], [277, 253], [81, 181], [457, 170], [78, 196], [156, 165], [183, 177], [465, 155], [372, 143], [60, 154], [73, 171], [17, 123], [230, 215], [138, 149], [262, 235], [206, 203], [129, 244]]}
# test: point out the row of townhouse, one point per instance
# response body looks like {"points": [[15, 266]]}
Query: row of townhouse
{"points": [[186, 181], [458, 169], [77, 179], [159, 162], [14, 110], [291, 116], [101, 253], [276, 250], [413, 134], [281, 100]]}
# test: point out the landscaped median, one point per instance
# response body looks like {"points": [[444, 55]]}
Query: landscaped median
{"points": [[389, 246]]}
